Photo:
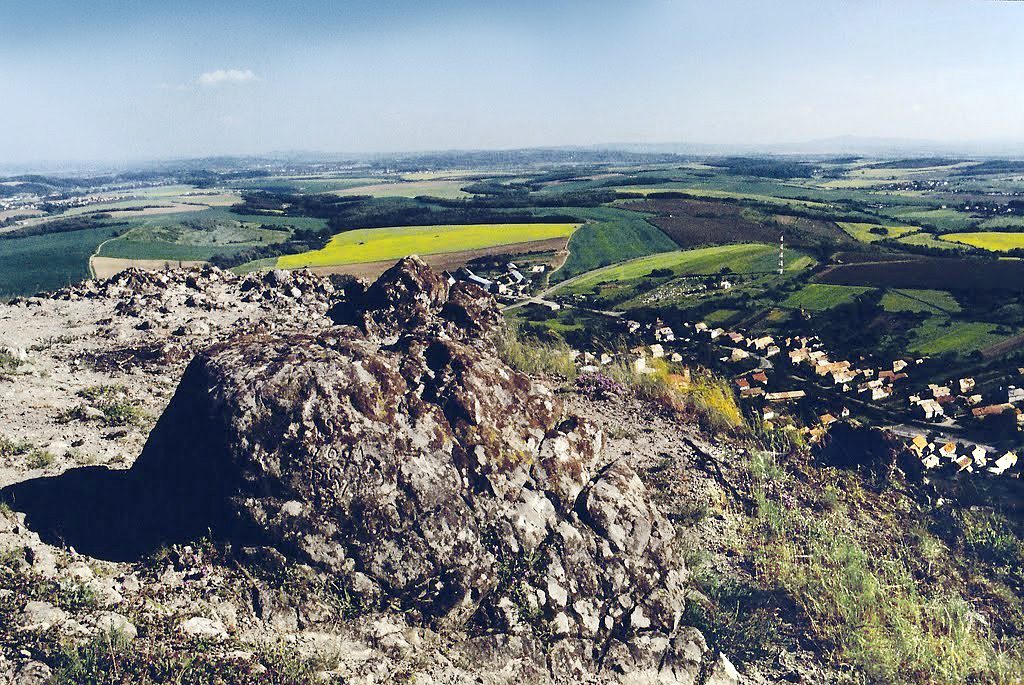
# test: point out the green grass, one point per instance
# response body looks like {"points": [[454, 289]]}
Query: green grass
{"points": [[938, 335], [610, 235], [993, 241], [866, 233], [720, 316], [933, 301], [533, 356], [47, 262], [382, 244], [860, 588], [319, 183], [740, 258], [705, 398], [819, 297]]}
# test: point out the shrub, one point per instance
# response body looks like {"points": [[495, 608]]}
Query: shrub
{"points": [[113, 660], [38, 459], [599, 386], [114, 404], [9, 362], [10, 448], [737, 618]]}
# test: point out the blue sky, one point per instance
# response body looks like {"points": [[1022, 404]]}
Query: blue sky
{"points": [[119, 81]]}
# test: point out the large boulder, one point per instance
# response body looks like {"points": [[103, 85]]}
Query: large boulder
{"points": [[397, 451]]}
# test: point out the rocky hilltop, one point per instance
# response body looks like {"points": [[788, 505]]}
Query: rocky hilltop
{"points": [[346, 481]]}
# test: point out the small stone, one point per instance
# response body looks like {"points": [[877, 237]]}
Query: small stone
{"points": [[204, 628], [109, 623], [561, 623], [557, 593], [33, 673], [79, 571], [723, 672], [105, 592], [40, 615], [92, 413], [637, 619]]}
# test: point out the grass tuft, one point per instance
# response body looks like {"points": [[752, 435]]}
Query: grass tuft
{"points": [[533, 356]]}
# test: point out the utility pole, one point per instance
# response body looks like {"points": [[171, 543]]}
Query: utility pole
{"points": [[782, 259]]}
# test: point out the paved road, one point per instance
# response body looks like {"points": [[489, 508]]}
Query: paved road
{"points": [[905, 431], [539, 299]]}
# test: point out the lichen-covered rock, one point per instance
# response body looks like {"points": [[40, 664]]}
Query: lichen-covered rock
{"points": [[398, 451], [411, 297]]}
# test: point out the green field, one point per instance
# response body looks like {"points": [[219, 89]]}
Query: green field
{"points": [[865, 234], [745, 258], [721, 194], [993, 241], [719, 317], [929, 240], [938, 335], [200, 235], [818, 297], [313, 183], [46, 262], [449, 190], [1009, 223], [382, 244], [610, 235], [944, 220], [933, 301]]}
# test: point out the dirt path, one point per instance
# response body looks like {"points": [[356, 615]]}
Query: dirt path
{"points": [[105, 267]]}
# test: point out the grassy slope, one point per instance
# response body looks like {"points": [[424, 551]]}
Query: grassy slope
{"points": [[168, 237], [380, 244], [939, 335], [945, 220], [929, 240], [740, 258], [610, 235], [880, 590], [819, 297]]}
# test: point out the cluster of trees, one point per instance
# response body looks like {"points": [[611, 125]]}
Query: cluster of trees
{"points": [[767, 167], [80, 223]]}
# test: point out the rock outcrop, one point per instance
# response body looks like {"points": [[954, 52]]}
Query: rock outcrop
{"points": [[397, 451]]}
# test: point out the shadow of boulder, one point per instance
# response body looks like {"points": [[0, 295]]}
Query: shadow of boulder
{"points": [[96, 510], [177, 491]]}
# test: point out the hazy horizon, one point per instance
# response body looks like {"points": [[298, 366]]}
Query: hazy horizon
{"points": [[114, 82]]}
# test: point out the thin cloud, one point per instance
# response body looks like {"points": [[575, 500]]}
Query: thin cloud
{"points": [[221, 76]]}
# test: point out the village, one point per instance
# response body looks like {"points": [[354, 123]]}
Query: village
{"points": [[779, 379]]}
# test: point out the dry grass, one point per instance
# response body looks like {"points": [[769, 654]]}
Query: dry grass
{"points": [[702, 396]]}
